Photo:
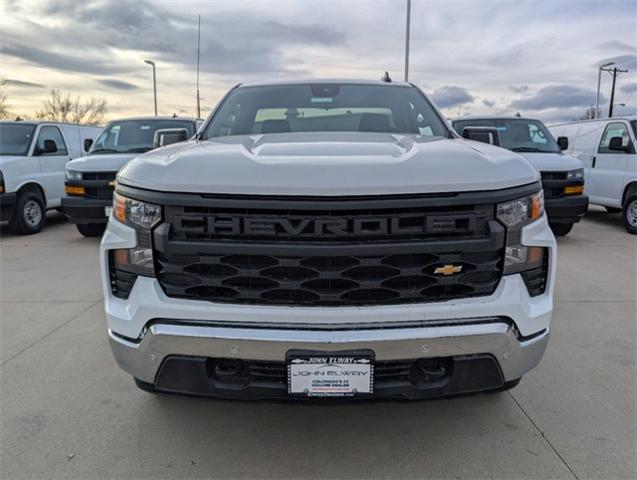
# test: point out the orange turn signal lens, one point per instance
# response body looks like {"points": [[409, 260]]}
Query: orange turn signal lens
{"points": [[119, 208], [70, 190], [574, 190], [537, 205]]}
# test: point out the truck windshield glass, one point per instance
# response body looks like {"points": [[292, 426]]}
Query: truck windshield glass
{"points": [[15, 139], [519, 135], [325, 108], [134, 136]]}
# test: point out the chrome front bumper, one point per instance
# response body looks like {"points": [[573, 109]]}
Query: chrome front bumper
{"points": [[143, 357]]}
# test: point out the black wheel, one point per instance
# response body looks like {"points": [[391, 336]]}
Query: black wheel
{"points": [[561, 229], [91, 229], [629, 214], [613, 209], [30, 214], [145, 386]]}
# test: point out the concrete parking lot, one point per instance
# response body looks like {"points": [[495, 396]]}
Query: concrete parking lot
{"points": [[67, 411]]}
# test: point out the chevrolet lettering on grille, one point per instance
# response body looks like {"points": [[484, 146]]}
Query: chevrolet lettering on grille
{"points": [[327, 227]]}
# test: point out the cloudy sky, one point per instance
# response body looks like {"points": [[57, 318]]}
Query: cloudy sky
{"points": [[538, 57]]}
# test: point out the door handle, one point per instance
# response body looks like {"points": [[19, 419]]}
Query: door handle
{"points": [[594, 160]]}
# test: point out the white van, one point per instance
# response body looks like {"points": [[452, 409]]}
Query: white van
{"points": [[606, 147], [33, 156], [562, 175]]}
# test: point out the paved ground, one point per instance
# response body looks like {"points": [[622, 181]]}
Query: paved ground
{"points": [[68, 412]]}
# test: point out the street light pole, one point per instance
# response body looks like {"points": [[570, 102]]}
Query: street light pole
{"points": [[599, 81], [152, 64], [407, 27]]}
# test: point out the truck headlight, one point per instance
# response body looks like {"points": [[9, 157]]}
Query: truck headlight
{"points": [[142, 217], [73, 175], [577, 174], [516, 214]]}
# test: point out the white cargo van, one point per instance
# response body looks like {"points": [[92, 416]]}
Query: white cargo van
{"points": [[606, 147], [33, 156]]}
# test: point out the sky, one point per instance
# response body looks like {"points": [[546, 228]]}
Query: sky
{"points": [[536, 57]]}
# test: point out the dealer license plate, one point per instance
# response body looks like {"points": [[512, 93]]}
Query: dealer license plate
{"points": [[108, 211], [330, 374]]}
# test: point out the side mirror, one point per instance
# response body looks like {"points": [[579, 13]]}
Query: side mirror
{"points": [[168, 136], [562, 142], [88, 143], [617, 145], [49, 147], [488, 135]]}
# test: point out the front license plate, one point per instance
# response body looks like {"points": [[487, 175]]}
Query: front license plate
{"points": [[108, 211], [330, 374]]}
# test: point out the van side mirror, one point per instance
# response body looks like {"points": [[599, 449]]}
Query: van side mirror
{"points": [[562, 142], [49, 147], [88, 143], [617, 145], [168, 136], [488, 135]]}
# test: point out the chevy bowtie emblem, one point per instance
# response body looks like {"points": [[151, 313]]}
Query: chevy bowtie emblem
{"points": [[111, 183], [448, 270]]}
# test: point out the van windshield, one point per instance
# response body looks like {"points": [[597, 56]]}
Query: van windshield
{"points": [[325, 107], [15, 138], [134, 136], [517, 134]]}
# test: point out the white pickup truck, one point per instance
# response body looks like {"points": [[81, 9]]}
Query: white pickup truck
{"points": [[33, 156], [328, 239]]}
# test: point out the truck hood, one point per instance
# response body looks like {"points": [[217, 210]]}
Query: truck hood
{"points": [[552, 162], [107, 162], [327, 163]]}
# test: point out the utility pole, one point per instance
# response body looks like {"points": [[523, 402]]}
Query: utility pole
{"points": [[614, 72], [407, 27], [599, 81], [198, 45], [152, 64]]}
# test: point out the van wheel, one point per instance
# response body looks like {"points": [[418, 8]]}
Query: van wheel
{"points": [[30, 215], [629, 212], [91, 229], [561, 229], [613, 209]]}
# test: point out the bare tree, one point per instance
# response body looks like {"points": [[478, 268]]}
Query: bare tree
{"points": [[4, 106], [61, 107]]}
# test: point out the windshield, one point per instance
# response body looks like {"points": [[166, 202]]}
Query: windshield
{"points": [[519, 135], [15, 139], [133, 136], [634, 125], [325, 108]]}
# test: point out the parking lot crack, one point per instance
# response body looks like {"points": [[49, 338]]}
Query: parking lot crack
{"points": [[548, 442], [38, 340]]}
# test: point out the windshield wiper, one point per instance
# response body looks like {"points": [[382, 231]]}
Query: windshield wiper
{"points": [[530, 149], [139, 150], [104, 150]]}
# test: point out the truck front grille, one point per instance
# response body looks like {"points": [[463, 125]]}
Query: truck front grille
{"points": [[335, 252], [553, 184]]}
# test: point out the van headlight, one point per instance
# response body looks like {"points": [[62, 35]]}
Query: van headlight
{"points": [[577, 174], [142, 217], [73, 175], [515, 214]]}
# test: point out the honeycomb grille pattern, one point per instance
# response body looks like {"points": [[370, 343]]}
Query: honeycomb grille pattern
{"points": [[333, 280]]}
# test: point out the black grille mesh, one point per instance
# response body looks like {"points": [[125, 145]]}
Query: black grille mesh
{"points": [[336, 280]]}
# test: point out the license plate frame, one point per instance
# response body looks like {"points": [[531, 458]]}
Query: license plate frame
{"points": [[320, 374]]}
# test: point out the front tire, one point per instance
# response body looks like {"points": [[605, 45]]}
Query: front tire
{"points": [[91, 229], [29, 216], [629, 214], [561, 229]]}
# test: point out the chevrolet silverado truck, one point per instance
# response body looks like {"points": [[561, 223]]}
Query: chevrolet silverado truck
{"points": [[328, 239], [562, 175], [90, 180]]}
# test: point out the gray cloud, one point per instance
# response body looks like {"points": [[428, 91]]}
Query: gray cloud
{"points": [[556, 96], [629, 88], [617, 45], [519, 89], [24, 84], [621, 61], [488, 103], [450, 96], [118, 84]]}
